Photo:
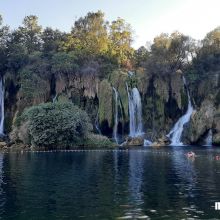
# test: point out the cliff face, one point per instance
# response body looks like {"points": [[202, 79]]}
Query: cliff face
{"points": [[164, 100], [206, 94]]}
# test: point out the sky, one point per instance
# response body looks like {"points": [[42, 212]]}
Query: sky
{"points": [[148, 18]]}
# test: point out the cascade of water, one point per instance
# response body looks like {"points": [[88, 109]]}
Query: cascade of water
{"points": [[176, 132], [54, 98], [97, 123], [115, 129], [135, 112], [2, 116], [208, 140]]}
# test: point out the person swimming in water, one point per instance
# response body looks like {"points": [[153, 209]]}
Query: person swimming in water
{"points": [[191, 154]]}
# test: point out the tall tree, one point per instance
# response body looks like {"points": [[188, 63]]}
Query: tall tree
{"points": [[141, 56], [51, 40], [208, 55], [169, 52], [31, 33], [4, 38], [89, 34], [211, 42], [120, 41]]}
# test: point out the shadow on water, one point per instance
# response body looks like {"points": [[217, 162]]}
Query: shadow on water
{"points": [[142, 183]]}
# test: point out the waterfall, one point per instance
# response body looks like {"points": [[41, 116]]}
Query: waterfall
{"points": [[208, 140], [115, 129], [135, 112], [97, 123], [176, 132], [2, 116], [54, 98]]}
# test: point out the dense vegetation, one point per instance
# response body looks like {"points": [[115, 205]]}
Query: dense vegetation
{"points": [[95, 45], [56, 125]]}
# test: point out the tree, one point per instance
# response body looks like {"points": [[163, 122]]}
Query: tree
{"points": [[120, 42], [17, 54], [212, 39], [4, 38], [89, 35], [141, 56], [169, 53], [30, 33], [207, 58], [51, 40], [63, 62]]}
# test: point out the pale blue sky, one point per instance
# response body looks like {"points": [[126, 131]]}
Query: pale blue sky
{"points": [[147, 17]]}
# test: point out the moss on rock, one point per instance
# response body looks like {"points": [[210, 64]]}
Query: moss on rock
{"points": [[105, 103]]}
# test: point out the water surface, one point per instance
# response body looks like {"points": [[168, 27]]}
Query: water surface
{"points": [[110, 184]]}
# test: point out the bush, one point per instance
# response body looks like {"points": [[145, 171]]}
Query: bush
{"points": [[96, 140], [54, 125]]}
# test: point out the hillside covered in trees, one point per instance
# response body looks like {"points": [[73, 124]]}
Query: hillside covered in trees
{"points": [[42, 65]]}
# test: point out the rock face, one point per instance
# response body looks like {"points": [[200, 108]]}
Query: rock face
{"points": [[216, 127], [206, 95], [136, 141], [105, 106], [201, 121], [164, 101], [164, 141], [3, 145]]}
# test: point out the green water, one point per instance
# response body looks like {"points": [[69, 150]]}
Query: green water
{"points": [[116, 184]]}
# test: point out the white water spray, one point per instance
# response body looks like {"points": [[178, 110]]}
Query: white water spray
{"points": [[135, 112], [115, 129], [147, 143], [2, 116], [176, 132], [208, 140]]}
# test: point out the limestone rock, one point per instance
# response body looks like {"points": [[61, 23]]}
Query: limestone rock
{"points": [[216, 126], [163, 141], [3, 144], [177, 87], [136, 141], [201, 121]]}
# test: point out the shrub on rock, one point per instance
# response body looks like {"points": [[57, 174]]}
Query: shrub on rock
{"points": [[53, 125]]}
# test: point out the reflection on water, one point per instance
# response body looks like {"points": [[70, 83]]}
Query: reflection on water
{"points": [[113, 184]]}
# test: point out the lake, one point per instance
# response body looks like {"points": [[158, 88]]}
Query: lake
{"points": [[143, 183]]}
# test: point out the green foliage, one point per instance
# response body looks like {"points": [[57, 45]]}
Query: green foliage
{"points": [[89, 35], [63, 62], [31, 84], [4, 37], [17, 57], [95, 140], [169, 53], [57, 125], [207, 60], [120, 42], [47, 51], [31, 33], [52, 40], [141, 55]]}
